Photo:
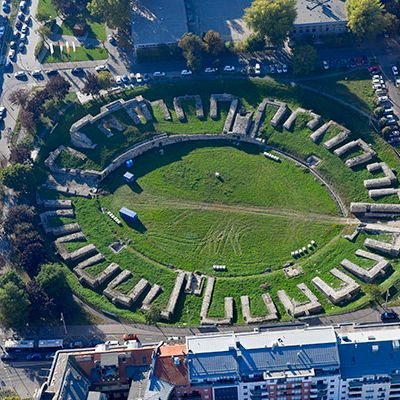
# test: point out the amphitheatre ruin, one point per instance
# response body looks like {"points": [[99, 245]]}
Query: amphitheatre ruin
{"points": [[249, 223]]}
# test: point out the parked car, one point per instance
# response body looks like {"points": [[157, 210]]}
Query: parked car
{"points": [[21, 75], [278, 68], [22, 5], [16, 35], [397, 82], [23, 38], [229, 68], [25, 29], [285, 68], [37, 73], [21, 16], [158, 74], [139, 78], [111, 39], [383, 99], [118, 80], [21, 47], [77, 71], [325, 65], [257, 69], [210, 70], [51, 72], [103, 67], [389, 316], [186, 72], [2, 113], [11, 54], [13, 44], [395, 70], [6, 8]]}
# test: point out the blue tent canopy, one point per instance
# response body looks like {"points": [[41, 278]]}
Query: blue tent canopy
{"points": [[128, 215]]}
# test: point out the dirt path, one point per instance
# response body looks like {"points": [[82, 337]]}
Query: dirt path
{"points": [[266, 211]]}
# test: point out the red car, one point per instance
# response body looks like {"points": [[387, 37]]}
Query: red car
{"points": [[374, 70]]}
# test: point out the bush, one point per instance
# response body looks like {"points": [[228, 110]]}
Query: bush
{"points": [[39, 47], [378, 112]]}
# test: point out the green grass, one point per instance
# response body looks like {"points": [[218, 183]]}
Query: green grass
{"points": [[96, 29], [81, 54], [354, 87], [47, 7], [177, 198]]}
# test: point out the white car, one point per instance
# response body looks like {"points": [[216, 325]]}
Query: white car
{"points": [[11, 54], [397, 81], [377, 80], [139, 78], [118, 80], [20, 75], [325, 64], [186, 72], [383, 99], [257, 69], [388, 110], [25, 29], [158, 74], [285, 68], [2, 113], [100, 68], [229, 68], [36, 73], [395, 70], [278, 68], [210, 70]]}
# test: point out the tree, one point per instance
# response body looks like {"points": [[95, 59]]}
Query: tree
{"points": [[214, 43], [366, 18], [20, 153], [16, 215], [271, 18], [304, 59], [19, 177], [386, 131], [192, 48], [153, 315], [44, 31], [41, 305], [27, 120], [116, 13], [374, 292], [14, 306], [51, 279], [57, 86], [19, 97], [382, 122], [378, 112], [91, 85], [104, 79], [13, 277]]}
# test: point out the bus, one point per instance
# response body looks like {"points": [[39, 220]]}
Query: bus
{"points": [[50, 344], [18, 346]]}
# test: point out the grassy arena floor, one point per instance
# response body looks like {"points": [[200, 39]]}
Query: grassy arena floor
{"points": [[177, 196]]}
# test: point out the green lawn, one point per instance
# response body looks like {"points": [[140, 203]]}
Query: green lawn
{"points": [[354, 87], [48, 8], [81, 54], [190, 220], [96, 30]]}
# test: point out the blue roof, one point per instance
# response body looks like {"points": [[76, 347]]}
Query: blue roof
{"points": [[251, 361], [126, 212], [364, 359]]}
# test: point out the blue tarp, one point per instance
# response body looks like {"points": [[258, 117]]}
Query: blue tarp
{"points": [[127, 214]]}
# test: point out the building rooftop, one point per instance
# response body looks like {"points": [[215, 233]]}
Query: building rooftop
{"points": [[157, 22], [249, 353], [254, 340], [320, 11]]}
